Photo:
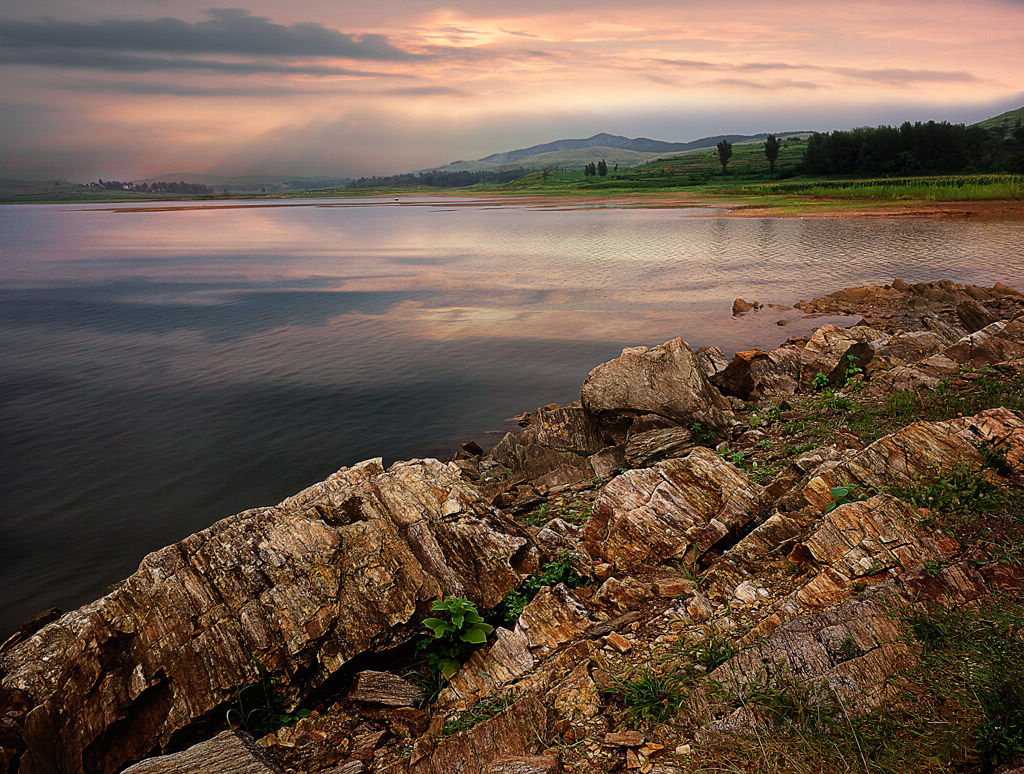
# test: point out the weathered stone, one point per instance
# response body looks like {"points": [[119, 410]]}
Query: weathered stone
{"points": [[529, 764], [575, 697], [672, 586], [664, 380], [554, 437], [755, 374], [230, 752], [624, 739], [973, 316], [642, 449], [918, 448], [677, 508], [384, 688], [827, 349], [620, 595], [554, 617], [993, 344], [711, 360], [512, 733], [739, 306], [608, 461], [905, 347], [342, 568]]}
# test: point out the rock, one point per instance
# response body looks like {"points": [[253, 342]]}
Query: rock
{"points": [[642, 449], [624, 739], [992, 344], [510, 734], [677, 508], [665, 380], [345, 567], [827, 350], [529, 764], [554, 617], [230, 752], [711, 360], [739, 306], [617, 641], [672, 586], [472, 447], [608, 461], [905, 347], [973, 316], [384, 688], [918, 448], [755, 374], [575, 697], [554, 437], [747, 592], [620, 595]]}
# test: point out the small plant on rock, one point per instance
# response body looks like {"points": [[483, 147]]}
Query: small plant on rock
{"points": [[847, 493], [820, 381], [258, 706], [455, 635]]}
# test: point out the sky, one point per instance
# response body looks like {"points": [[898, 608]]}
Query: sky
{"points": [[130, 89]]}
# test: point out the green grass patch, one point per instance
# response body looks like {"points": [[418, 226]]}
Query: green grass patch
{"points": [[948, 188]]}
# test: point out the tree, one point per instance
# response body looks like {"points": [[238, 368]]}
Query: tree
{"points": [[602, 168], [771, 152], [724, 153]]}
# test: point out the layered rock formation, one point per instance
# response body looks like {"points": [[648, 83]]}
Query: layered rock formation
{"points": [[765, 567]]}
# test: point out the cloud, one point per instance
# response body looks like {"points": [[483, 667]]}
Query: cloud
{"points": [[226, 31], [135, 63], [898, 75]]}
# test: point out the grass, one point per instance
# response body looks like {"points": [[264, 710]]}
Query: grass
{"points": [[477, 712], [961, 708], [560, 570], [649, 697], [947, 188]]}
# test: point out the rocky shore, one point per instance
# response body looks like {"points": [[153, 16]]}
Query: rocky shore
{"points": [[810, 558]]}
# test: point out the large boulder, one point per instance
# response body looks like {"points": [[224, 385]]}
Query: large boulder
{"points": [[992, 344], [553, 437], [755, 374], [828, 348], [345, 567], [677, 509], [666, 380]]}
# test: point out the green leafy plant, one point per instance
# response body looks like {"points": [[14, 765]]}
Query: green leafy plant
{"points": [[852, 369], [847, 493], [994, 456], [551, 574], [704, 435], [962, 488], [454, 636], [258, 706], [820, 381]]}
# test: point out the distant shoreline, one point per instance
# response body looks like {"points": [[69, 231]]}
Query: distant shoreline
{"points": [[723, 205]]}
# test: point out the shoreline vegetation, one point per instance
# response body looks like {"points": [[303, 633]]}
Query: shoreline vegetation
{"points": [[803, 559], [915, 169]]}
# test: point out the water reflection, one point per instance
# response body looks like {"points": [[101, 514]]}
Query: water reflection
{"points": [[163, 369]]}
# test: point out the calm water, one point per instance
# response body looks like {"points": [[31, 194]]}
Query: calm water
{"points": [[164, 369]]}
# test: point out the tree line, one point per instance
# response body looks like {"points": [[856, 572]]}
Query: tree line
{"points": [[441, 178], [913, 149], [160, 186]]}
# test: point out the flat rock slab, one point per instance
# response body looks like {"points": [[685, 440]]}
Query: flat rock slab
{"points": [[384, 688], [678, 508], [230, 752]]}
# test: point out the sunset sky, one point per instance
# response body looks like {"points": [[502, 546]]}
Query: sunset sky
{"points": [[126, 89]]}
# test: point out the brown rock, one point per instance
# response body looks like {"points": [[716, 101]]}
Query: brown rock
{"points": [[827, 350], [619, 642], [642, 449], [384, 688], [673, 586], [230, 752], [529, 764], [992, 344], [511, 734], [677, 508], [342, 568], [711, 360], [555, 437], [624, 739], [739, 306], [755, 374], [664, 380], [472, 447], [973, 316]]}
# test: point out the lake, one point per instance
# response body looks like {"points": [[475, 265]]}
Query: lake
{"points": [[165, 366]]}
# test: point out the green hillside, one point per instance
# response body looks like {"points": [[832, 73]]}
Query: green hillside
{"points": [[1010, 120]]}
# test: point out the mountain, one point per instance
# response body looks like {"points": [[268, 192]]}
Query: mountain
{"points": [[613, 148], [251, 183], [1008, 121]]}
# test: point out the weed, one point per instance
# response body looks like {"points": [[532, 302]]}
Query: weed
{"points": [[704, 435], [852, 369], [847, 493], [477, 712], [710, 653], [552, 573], [539, 518], [930, 628], [257, 707], [994, 456], [454, 638], [820, 381], [962, 488], [649, 697]]}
